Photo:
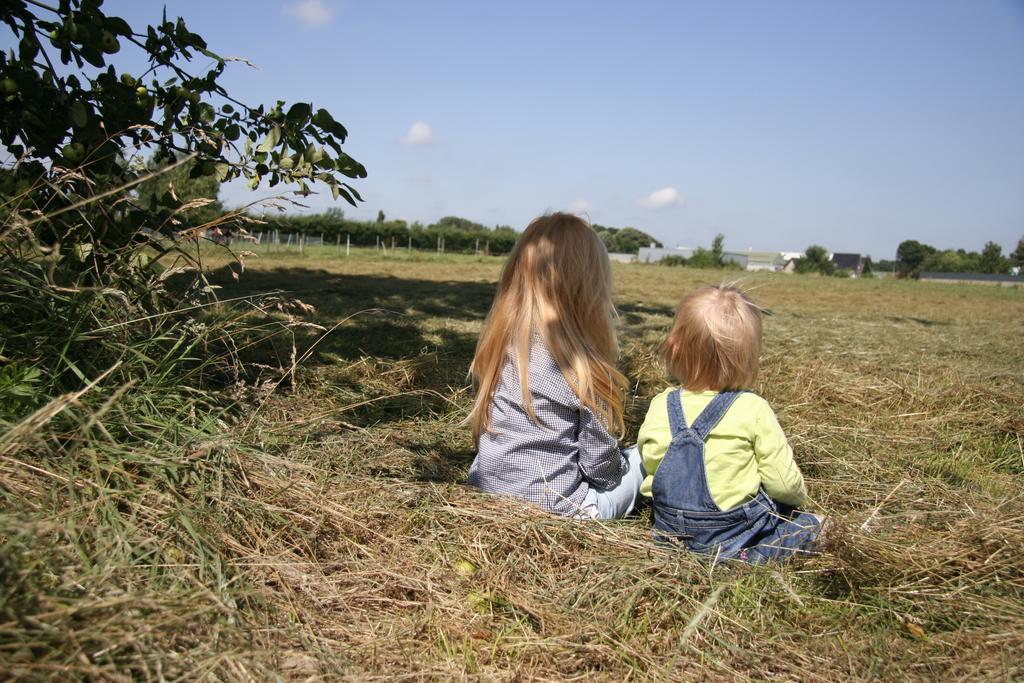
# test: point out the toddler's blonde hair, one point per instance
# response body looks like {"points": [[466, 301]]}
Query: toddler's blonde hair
{"points": [[556, 283], [715, 341]]}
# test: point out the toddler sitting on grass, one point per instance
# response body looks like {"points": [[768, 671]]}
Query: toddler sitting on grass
{"points": [[720, 471]]}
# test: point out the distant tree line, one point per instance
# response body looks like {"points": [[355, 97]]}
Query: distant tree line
{"points": [[914, 258], [625, 240], [454, 233]]}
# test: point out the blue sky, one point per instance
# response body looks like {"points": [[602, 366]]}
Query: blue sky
{"points": [[852, 125]]}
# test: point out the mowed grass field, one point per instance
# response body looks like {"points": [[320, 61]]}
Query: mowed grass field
{"points": [[904, 402], [272, 488]]}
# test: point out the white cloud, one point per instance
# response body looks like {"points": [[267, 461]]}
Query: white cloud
{"points": [[579, 206], [312, 13], [666, 196], [419, 133]]}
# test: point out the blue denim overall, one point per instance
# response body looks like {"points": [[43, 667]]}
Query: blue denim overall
{"points": [[685, 512]]}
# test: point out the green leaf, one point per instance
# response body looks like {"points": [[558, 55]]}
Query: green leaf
{"points": [[206, 113], [347, 196], [78, 114], [350, 167], [323, 118], [339, 131], [212, 55], [353, 191], [118, 25], [312, 153], [28, 48], [270, 142], [93, 56], [299, 112]]}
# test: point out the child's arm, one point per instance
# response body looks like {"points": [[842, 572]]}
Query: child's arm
{"points": [[654, 437], [780, 476], [600, 459]]}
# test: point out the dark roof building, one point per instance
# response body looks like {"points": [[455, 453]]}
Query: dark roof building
{"points": [[854, 263], [851, 262]]}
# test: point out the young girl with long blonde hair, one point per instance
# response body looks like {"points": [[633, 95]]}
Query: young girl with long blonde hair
{"points": [[549, 397]]}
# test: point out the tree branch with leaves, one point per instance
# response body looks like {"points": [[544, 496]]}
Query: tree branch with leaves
{"points": [[73, 130]]}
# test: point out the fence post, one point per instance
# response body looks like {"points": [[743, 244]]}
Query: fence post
{"points": [[410, 241], [348, 244], [477, 246], [337, 243]]}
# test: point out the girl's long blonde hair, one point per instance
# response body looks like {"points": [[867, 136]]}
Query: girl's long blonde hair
{"points": [[556, 283]]}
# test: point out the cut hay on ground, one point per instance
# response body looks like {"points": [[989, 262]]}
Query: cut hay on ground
{"points": [[325, 532]]}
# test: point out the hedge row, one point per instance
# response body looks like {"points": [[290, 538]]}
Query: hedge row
{"points": [[457, 234]]}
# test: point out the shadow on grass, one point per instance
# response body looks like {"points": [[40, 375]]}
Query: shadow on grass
{"points": [[338, 294], [393, 315], [421, 329], [920, 321], [634, 314], [441, 463]]}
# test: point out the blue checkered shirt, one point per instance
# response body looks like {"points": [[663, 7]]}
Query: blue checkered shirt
{"points": [[552, 464]]}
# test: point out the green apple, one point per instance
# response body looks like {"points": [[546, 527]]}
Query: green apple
{"points": [[73, 153]]}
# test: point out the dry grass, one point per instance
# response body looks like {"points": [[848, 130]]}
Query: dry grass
{"points": [[327, 534]]}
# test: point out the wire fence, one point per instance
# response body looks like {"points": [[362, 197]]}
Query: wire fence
{"points": [[273, 241]]}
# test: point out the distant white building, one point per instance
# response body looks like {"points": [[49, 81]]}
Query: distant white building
{"points": [[655, 254], [621, 258], [764, 261], [770, 261]]}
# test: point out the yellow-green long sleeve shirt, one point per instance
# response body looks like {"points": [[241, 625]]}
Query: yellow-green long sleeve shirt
{"points": [[746, 450]]}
